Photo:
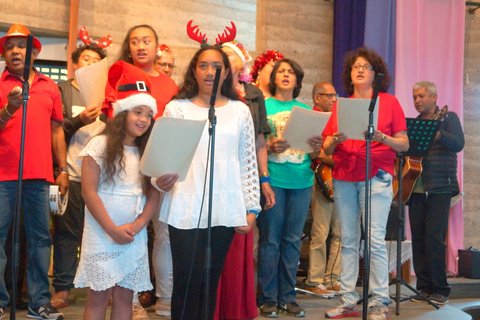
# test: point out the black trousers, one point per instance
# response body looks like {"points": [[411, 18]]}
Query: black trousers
{"points": [[182, 243], [429, 225], [67, 239]]}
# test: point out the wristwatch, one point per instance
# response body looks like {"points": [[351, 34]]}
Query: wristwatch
{"points": [[63, 170]]}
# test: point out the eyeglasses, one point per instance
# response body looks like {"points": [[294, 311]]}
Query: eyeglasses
{"points": [[363, 67], [165, 64], [329, 95]]}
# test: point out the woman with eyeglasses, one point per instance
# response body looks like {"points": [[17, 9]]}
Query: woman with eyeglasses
{"points": [[291, 178], [390, 136]]}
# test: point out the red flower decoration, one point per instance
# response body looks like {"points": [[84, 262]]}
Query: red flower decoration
{"points": [[262, 60]]}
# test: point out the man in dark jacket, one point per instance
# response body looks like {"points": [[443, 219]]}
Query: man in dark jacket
{"points": [[430, 201]]}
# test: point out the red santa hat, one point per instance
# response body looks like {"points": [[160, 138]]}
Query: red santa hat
{"points": [[132, 88]]}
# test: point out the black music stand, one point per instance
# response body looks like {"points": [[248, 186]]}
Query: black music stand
{"points": [[421, 133]]}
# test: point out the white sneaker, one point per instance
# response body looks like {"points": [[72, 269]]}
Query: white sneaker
{"points": [[162, 308], [342, 310], [377, 312], [139, 313]]}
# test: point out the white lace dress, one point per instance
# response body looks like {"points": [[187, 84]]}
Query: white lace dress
{"points": [[103, 262]]}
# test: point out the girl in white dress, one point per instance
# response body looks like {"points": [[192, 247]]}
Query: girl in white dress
{"points": [[119, 203]]}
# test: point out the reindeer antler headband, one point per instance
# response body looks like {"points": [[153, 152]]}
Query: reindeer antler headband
{"points": [[102, 42], [229, 34]]}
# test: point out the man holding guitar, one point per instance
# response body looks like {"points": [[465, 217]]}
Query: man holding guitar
{"points": [[323, 271], [433, 190]]}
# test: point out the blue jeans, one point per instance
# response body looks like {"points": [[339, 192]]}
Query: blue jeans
{"points": [[36, 215], [349, 203], [281, 229]]}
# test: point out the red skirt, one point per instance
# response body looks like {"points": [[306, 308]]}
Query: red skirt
{"points": [[236, 288]]}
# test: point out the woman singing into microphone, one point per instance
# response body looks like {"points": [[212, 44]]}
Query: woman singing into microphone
{"points": [[361, 67], [236, 190]]}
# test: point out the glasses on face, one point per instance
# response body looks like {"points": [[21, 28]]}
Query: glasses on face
{"points": [[363, 67], [329, 95], [165, 64]]}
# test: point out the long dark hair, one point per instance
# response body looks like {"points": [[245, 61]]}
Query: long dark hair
{"points": [[298, 72], [125, 53], [189, 88], [373, 58], [114, 152]]}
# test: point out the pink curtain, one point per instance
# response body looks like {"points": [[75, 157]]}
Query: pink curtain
{"points": [[430, 46]]}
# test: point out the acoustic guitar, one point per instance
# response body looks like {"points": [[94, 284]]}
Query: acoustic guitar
{"points": [[323, 177], [412, 168]]}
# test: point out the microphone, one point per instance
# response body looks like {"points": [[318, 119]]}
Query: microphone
{"points": [[211, 111], [26, 70], [376, 88], [28, 58], [215, 86]]}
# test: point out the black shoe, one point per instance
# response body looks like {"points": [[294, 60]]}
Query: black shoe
{"points": [[269, 310], [293, 309], [45, 312], [438, 298], [423, 296]]}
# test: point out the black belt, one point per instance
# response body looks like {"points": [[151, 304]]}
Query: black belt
{"points": [[138, 86]]}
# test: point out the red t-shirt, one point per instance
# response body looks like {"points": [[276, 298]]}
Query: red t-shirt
{"points": [[44, 105], [163, 90], [349, 156]]}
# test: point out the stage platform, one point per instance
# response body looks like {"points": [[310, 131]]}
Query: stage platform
{"points": [[465, 296]]}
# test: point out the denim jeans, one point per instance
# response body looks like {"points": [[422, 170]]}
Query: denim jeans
{"points": [[280, 230], [349, 203], [36, 214]]}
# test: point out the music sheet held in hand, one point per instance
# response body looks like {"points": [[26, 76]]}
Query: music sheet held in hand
{"points": [[171, 147], [92, 80], [302, 125], [352, 117]]}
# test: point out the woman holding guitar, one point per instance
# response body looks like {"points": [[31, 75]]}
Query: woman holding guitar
{"points": [[360, 68]]}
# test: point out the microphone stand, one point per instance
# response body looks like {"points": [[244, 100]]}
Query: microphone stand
{"points": [[212, 118], [368, 196], [18, 204]]}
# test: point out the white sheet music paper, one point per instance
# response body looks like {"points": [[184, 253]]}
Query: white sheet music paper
{"points": [[352, 117], [92, 80], [171, 147], [302, 125]]}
